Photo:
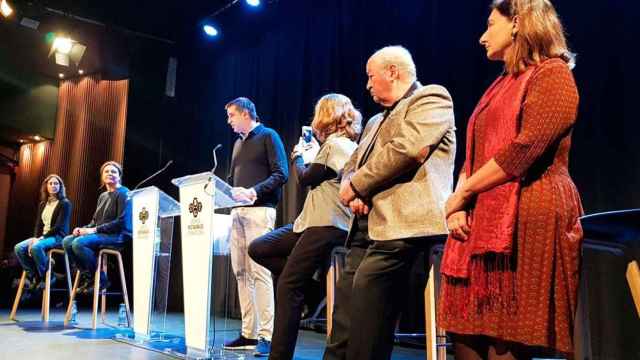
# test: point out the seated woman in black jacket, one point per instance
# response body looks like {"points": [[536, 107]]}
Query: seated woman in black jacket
{"points": [[294, 252], [52, 224], [111, 225]]}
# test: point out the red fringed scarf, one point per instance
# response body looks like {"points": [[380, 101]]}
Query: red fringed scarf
{"points": [[477, 272]]}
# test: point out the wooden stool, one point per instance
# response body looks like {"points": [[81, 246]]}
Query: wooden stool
{"points": [[46, 296], [633, 278], [102, 265], [338, 255], [435, 348]]}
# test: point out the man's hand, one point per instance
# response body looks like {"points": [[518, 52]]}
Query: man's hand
{"points": [[346, 192], [359, 207], [244, 194], [458, 224]]}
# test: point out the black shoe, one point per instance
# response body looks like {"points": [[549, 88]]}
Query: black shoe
{"points": [[86, 283], [104, 284], [33, 284], [42, 284], [241, 343]]}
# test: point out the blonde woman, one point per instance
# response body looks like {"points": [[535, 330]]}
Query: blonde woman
{"points": [[294, 252], [52, 224], [511, 263]]}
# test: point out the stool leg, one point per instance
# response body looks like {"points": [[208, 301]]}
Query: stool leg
{"points": [[430, 317], [68, 271], [103, 305], [72, 296], [633, 278], [125, 294], [47, 291], [16, 301], [331, 278], [96, 291]]}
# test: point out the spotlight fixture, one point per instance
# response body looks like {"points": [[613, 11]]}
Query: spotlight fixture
{"points": [[67, 50], [5, 8], [61, 76], [210, 30], [62, 45], [253, 2], [80, 71], [30, 23], [37, 137]]}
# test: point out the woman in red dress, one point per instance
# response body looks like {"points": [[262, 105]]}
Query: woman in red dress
{"points": [[511, 263]]}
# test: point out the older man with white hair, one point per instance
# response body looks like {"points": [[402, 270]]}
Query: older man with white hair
{"points": [[396, 184]]}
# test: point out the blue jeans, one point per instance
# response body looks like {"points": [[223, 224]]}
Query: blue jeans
{"points": [[37, 262], [81, 250]]}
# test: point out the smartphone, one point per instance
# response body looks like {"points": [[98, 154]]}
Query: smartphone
{"points": [[307, 133]]}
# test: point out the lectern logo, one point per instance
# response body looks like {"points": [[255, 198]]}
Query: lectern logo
{"points": [[195, 207], [143, 216], [195, 227]]}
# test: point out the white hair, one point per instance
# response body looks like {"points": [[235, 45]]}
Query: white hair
{"points": [[398, 56]]}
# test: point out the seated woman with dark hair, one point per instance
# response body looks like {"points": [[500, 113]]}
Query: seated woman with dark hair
{"points": [[294, 252], [110, 226], [52, 224]]}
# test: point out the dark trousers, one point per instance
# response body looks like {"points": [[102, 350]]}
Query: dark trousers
{"points": [[369, 294], [338, 340], [293, 258]]}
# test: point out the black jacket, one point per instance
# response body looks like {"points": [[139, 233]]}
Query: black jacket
{"points": [[60, 220], [113, 213]]}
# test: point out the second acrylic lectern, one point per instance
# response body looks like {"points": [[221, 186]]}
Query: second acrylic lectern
{"points": [[200, 195]]}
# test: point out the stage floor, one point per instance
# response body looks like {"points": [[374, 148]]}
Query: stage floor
{"points": [[28, 339]]}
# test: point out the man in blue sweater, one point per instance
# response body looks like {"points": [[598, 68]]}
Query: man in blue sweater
{"points": [[258, 171]]}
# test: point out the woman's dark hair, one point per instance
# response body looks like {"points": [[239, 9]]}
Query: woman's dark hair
{"points": [[44, 193]]}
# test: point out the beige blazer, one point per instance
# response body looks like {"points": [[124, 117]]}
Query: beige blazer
{"points": [[404, 166]]}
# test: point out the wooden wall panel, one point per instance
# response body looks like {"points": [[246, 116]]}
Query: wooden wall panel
{"points": [[90, 129]]}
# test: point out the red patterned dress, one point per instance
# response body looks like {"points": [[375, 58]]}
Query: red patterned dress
{"points": [[547, 235]]}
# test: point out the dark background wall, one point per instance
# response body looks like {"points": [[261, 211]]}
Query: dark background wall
{"points": [[302, 50]]}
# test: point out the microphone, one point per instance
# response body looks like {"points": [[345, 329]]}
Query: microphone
{"points": [[215, 159], [154, 174], [215, 165]]}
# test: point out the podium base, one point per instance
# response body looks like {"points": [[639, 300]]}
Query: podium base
{"points": [[174, 346]]}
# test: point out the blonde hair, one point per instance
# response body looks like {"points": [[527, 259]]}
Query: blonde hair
{"points": [[540, 34], [335, 113]]}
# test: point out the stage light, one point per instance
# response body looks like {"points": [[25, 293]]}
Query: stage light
{"points": [[37, 137], [5, 9], [210, 30], [80, 71], [62, 45], [66, 50], [253, 2], [61, 76]]}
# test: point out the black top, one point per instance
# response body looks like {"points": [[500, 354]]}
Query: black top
{"points": [[113, 213], [259, 162], [312, 174], [60, 219]]}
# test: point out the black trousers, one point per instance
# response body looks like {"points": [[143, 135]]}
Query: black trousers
{"points": [[293, 258], [369, 294]]}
